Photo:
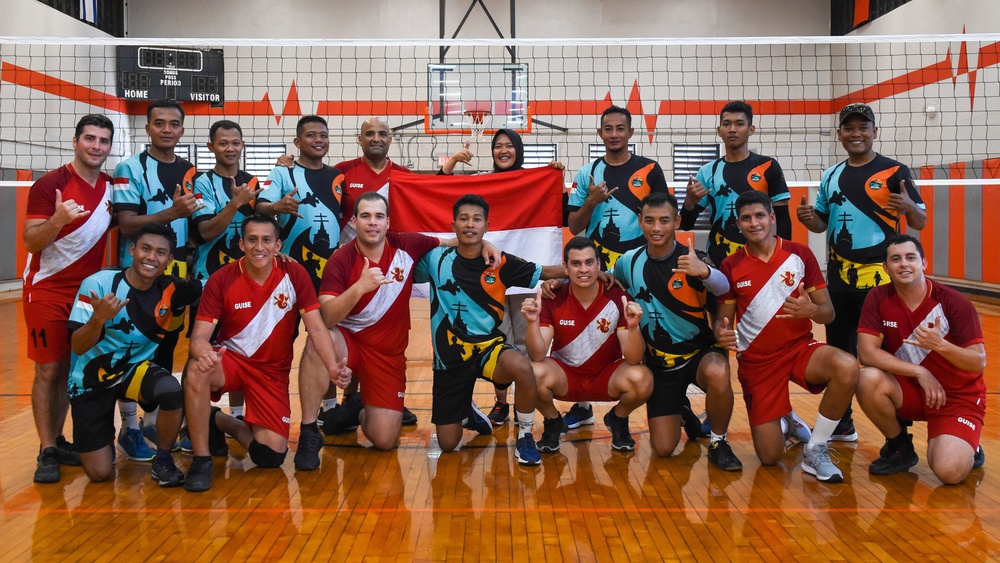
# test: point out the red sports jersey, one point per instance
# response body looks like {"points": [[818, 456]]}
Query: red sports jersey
{"points": [[56, 272], [585, 339], [381, 319], [885, 315], [359, 179], [759, 290], [258, 321]]}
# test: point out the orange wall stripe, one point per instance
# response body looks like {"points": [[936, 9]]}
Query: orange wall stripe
{"points": [[49, 84], [927, 234], [799, 231], [956, 223], [991, 228], [861, 11]]}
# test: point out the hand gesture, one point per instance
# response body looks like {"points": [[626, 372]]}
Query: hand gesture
{"points": [[725, 335], [550, 287], [928, 336], [105, 308], [608, 280], [800, 307], [372, 277], [933, 392], [288, 204], [464, 156], [633, 312], [599, 193], [341, 375], [805, 212], [900, 203], [691, 265], [532, 308], [67, 211], [242, 194], [558, 165], [286, 160], [209, 360], [695, 192], [184, 202]]}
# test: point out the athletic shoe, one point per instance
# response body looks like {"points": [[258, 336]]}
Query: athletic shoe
{"points": [[67, 453], [816, 461], [500, 413], [692, 424], [310, 443], [48, 466], [199, 476], [527, 454], [621, 438], [895, 458], [553, 430], [409, 419], [217, 445], [479, 422], [166, 473], [797, 431], [343, 419], [579, 416], [721, 455], [184, 442], [134, 446], [150, 434], [844, 432], [979, 459]]}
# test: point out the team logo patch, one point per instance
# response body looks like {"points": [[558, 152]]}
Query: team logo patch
{"points": [[788, 278], [281, 301], [161, 312], [397, 274], [875, 184], [339, 190], [636, 182], [490, 279], [603, 325], [677, 284], [755, 177]]}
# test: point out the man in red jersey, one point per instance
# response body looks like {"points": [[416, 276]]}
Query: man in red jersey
{"points": [[588, 327], [776, 292], [924, 350], [68, 215], [253, 306]]}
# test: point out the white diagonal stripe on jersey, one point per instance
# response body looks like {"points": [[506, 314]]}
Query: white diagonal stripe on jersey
{"points": [[384, 297], [577, 352], [768, 301], [67, 250], [252, 337], [916, 354]]}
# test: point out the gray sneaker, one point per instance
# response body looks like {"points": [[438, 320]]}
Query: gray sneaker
{"points": [[797, 430], [816, 461]]}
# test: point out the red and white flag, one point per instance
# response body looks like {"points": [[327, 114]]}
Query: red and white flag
{"points": [[525, 217]]}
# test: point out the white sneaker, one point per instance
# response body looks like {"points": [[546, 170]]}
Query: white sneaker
{"points": [[816, 461]]}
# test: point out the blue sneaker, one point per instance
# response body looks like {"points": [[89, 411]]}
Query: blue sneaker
{"points": [[527, 453], [579, 416], [184, 442], [149, 433], [479, 422], [134, 446]]}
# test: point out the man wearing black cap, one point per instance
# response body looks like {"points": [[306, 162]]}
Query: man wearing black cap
{"points": [[860, 204]]}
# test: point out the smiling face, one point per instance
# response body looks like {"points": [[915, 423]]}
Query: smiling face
{"points": [[375, 139], [314, 142], [150, 257], [658, 226], [504, 152], [755, 222], [904, 264], [92, 147], [165, 128], [582, 266], [470, 224], [858, 135], [260, 243], [227, 146], [371, 221]]}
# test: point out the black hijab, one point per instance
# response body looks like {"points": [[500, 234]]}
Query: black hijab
{"points": [[515, 140]]}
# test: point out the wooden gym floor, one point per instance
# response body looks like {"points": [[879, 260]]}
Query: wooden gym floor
{"points": [[585, 503]]}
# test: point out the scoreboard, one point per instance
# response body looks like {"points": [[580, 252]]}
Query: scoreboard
{"points": [[156, 73]]}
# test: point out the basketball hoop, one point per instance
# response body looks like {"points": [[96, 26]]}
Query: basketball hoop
{"points": [[478, 118]]}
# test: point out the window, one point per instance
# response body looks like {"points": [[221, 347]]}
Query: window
{"points": [[537, 155], [688, 159], [260, 159]]}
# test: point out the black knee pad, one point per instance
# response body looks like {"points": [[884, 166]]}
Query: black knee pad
{"points": [[169, 394], [264, 457]]}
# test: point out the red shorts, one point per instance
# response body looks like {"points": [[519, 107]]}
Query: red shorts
{"points": [[765, 384], [266, 394], [587, 388], [48, 337], [382, 377], [961, 415]]}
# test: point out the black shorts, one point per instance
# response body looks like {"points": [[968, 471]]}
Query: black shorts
{"points": [[670, 385], [452, 394], [94, 414]]}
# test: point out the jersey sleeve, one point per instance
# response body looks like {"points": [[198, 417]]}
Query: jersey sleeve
{"points": [[776, 186], [620, 273], [581, 185], [657, 180], [422, 272], [814, 276], [206, 195], [305, 293], [276, 185], [83, 307], [42, 198], [548, 307], [127, 193], [822, 205], [870, 321], [337, 271], [210, 308], [727, 269], [186, 292], [517, 272], [964, 320], [615, 294]]}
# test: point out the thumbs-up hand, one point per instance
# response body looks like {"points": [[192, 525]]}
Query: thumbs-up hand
{"points": [[691, 265], [341, 375], [208, 360], [798, 305], [531, 308], [805, 212], [725, 335]]}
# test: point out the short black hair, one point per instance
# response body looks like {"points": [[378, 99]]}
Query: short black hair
{"points": [[578, 243], [471, 199], [223, 124], [738, 106], [371, 196], [900, 238], [301, 125], [617, 109], [97, 120], [262, 219], [160, 230], [658, 199], [163, 104], [753, 197]]}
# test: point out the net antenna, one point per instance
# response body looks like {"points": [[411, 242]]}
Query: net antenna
{"points": [[478, 119]]}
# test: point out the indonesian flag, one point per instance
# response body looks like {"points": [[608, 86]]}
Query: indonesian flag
{"points": [[525, 216]]}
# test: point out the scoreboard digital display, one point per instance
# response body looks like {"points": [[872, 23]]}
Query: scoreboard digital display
{"points": [[156, 73]]}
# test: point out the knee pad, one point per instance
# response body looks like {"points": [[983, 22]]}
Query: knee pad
{"points": [[169, 394], [264, 457]]}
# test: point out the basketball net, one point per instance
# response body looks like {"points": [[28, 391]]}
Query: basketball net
{"points": [[478, 119]]}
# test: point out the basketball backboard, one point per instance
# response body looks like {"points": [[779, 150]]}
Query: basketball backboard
{"points": [[456, 92]]}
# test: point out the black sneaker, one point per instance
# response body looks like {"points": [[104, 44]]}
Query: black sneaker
{"points": [[501, 414], [199, 477], [979, 459], [621, 438], [48, 466], [165, 472], [895, 458], [217, 445], [845, 431], [721, 455], [692, 424], [310, 443], [343, 419], [553, 430], [67, 453], [409, 419]]}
